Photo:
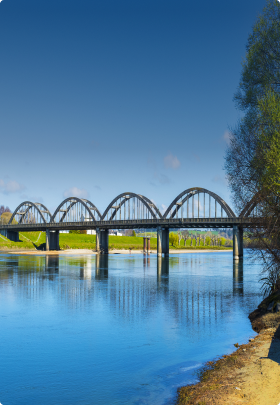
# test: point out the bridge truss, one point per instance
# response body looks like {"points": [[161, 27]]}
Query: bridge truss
{"points": [[193, 208]]}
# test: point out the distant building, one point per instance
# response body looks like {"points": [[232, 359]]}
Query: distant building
{"points": [[91, 232], [116, 233]]}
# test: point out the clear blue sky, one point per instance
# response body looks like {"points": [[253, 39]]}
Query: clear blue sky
{"points": [[102, 97]]}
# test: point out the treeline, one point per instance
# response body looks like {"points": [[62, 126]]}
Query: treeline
{"points": [[187, 238], [5, 214]]}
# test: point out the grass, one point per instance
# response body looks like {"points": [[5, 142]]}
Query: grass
{"points": [[213, 376], [37, 240]]}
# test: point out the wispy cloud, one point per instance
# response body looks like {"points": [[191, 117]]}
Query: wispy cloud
{"points": [[27, 197], [76, 192], [220, 180], [163, 179], [171, 162], [163, 208], [226, 137], [10, 187]]}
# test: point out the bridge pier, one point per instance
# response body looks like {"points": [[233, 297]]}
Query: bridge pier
{"points": [[237, 243], [144, 244], [52, 240], [102, 241], [162, 241], [11, 235]]}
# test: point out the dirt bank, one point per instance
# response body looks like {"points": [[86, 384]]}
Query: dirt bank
{"points": [[250, 375]]}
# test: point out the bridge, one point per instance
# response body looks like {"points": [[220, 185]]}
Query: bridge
{"points": [[193, 208]]}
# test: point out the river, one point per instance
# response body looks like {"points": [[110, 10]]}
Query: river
{"points": [[120, 329]]}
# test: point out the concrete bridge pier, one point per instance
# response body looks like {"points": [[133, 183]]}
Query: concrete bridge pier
{"points": [[237, 243], [162, 241], [144, 244], [102, 241], [52, 240], [12, 235]]}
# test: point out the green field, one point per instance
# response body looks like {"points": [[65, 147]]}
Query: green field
{"points": [[37, 240]]}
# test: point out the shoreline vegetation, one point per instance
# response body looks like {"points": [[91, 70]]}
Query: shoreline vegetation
{"points": [[36, 241], [251, 374]]}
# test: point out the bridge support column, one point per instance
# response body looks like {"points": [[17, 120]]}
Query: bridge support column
{"points": [[97, 248], [102, 241], [237, 243], [52, 240], [162, 241], [12, 235], [148, 245], [144, 244]]}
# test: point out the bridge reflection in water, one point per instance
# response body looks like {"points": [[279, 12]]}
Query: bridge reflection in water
{"points": [[180, 283]]}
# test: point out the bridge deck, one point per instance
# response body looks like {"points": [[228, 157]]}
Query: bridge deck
{"points": [[131, 224]]}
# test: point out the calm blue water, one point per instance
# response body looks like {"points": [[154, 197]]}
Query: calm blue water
{"points": [[122, 330]]}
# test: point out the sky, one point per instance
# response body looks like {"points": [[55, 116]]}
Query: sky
{"points": [[100, 97]]}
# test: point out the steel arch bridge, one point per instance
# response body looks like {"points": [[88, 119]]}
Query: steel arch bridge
{"points": [[193, 208]]}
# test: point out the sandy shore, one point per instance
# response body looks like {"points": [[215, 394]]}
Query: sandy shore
{"points": [[251, 375], [92, 252]]}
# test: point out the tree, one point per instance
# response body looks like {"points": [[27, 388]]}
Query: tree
{"points": [[185, 236], [3, 209], [133, 233], [5, 218], [261, 67], [180, 237], [129, 232], [78, 231], [208, 241], [173, 239], [253, 157]]}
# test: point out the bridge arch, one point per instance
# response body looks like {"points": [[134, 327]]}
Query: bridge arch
{"points": [[251, 205], [76, 209], [27, 212], [140, 207], [178, 204]]}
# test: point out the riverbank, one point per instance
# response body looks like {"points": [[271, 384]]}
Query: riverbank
{"points": [[92, 252], [251, 374], [37, 240]]}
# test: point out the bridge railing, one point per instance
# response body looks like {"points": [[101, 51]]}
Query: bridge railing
{"points": [[137, 223]]}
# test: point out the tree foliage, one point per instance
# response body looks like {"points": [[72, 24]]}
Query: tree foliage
{"points": [[82, 231], [260, 70], [253, 157], [173, 239], [4, 209], [5, 218]]}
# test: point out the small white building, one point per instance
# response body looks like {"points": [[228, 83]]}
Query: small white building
{"points": [[116, 233], [91, 232]]}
